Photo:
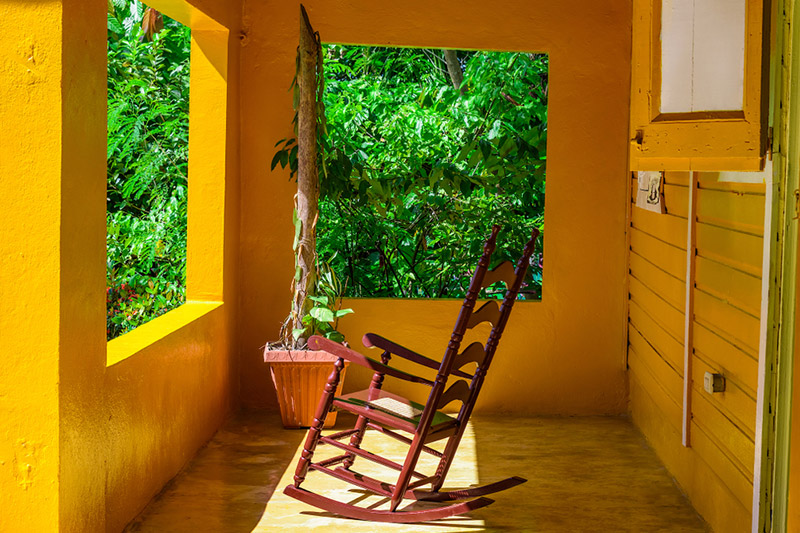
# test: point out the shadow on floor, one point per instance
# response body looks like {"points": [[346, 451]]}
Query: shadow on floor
{"points": [[226, 487]]}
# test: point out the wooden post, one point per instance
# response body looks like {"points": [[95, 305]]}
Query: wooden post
{"points": [[688, 337], [307, 174]]}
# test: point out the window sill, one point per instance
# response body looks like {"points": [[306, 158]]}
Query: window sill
{"points": [[150, 333]]}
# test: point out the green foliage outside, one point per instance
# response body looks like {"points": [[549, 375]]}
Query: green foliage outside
{"points": [[415, 171], [148, 133]]}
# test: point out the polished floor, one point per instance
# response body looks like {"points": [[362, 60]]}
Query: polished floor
{"points": [[592, 474]]}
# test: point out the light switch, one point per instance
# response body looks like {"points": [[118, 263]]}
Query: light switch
{"points": [[713, 383]]}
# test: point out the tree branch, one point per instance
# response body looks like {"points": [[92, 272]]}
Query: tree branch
{"points": [[454, 69]]}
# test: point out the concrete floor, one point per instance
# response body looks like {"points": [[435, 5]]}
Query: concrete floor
{"points": [[585, 474]]}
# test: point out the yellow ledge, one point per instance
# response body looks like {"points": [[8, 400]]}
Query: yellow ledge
{"points": [[148, 334]]}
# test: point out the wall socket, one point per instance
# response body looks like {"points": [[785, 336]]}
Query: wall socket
{"points": [[713, 383]]}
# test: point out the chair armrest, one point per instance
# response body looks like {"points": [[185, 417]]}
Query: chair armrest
{"points": [[373, 340], [334, 348]]}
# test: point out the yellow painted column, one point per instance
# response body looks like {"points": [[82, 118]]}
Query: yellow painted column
{"points": [[30, 74], [52, 255], [206, 259]]}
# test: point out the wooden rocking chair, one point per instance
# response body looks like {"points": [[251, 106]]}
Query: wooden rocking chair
{"points": [[388, 413]]}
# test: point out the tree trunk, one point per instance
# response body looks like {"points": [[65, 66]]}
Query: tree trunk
{"points": [[307, 178], [454, 69]]}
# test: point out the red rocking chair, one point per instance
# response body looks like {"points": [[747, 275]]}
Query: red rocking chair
{"points": [[388, 413]]}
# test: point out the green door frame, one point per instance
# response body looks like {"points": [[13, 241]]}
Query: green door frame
{"points": [[776, 361]]}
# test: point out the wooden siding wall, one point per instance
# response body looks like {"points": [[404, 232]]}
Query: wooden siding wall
{"points": [[717, 470]]}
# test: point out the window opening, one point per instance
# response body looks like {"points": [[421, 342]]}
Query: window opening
{"points": [[148, 132], [425, 150]]}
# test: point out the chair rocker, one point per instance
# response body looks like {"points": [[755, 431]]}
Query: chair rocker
{"points": [[391, 414]]}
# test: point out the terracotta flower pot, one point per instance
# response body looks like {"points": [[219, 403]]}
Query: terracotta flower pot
{"points": [[299, 377]]}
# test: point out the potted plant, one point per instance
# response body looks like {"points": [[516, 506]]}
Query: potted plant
{"points": [[298, 373]]}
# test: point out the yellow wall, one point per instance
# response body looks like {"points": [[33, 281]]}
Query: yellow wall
{"points": [[717, 470], [563, 355], [163, 403], [92, 430], [30, 242]]}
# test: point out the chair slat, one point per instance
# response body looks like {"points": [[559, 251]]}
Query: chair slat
{"points": [[474, 353], [367, 455], [457, 391], [359, 480], [334, 348], [343, 434], [503, 272], [488, 312], [331, 461], [401, 438]]}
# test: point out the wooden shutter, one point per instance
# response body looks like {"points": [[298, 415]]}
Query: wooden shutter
{"points": [[698, 139]]}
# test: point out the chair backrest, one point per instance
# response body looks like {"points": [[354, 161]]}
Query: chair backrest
{"points": [[466, 390]]}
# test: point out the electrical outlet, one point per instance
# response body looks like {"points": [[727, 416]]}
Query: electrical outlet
{"points": [[713, 383]]}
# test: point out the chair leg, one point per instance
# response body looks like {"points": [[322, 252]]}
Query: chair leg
{"points": [[355, 440], [315, 431], [361, 423], [444, 463], [407, 471]]}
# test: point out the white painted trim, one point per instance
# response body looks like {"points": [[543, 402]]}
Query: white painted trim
{"points": [[763, 339]]}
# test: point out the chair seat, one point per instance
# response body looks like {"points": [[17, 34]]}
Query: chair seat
{"points": [[385, 413]]}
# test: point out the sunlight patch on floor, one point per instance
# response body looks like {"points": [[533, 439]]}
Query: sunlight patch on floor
{"points": [[285, 513]]}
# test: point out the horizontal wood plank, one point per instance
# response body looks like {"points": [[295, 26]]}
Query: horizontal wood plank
{"points": [[668, 228], [676, 200], [669, 287], [732, 248], [731, 209], [738, 288], [710, 180], [720, 353], [643, 357], [669, 318], [666, 256], [732, 441], [677, 178], [645, 332], [734, 402], [671, 411], [738, 327], [736, 481]]}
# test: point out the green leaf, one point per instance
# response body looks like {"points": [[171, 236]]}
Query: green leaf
{"points": [[323, 314], [298, 228], [335, 336], [276, 159]]}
